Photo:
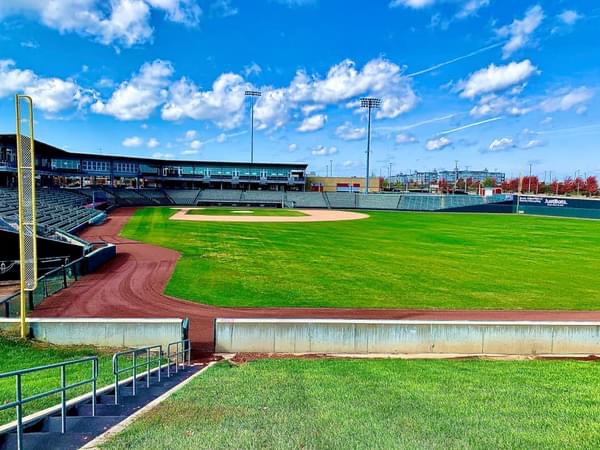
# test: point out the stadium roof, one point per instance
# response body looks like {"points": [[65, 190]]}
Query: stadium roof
{"points": [[51, 150]]}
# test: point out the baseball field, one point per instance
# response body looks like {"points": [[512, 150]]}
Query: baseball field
{"points": [[389, 260]]}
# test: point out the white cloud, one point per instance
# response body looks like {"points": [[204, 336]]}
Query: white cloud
{"points": [[437, 143], [348, 132], [252, 69], [324, 151], [138, 97], [569, 17], [221, 138], [49, 94], [495, 78], [496, 105], [159, 155], [223, 8], [196, 144], [567, 99], [30, 44], [519, 31], [191, 134], [471, 7], [189, 152], [292, 147], [350, 163], [272, 109], [153, 143], [13, 80], [307, 110], [133, 141], [223, 104], [533, 144], [405, 138], [122, 22], [414, 4], [500, 144], [313, 123]]}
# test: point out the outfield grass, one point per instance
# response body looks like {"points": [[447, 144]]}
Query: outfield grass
{"points": [[16, 354], [340, 404], [263, 212], [390, 260]]}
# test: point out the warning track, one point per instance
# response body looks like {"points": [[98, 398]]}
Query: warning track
{"points": [[132, 285]]}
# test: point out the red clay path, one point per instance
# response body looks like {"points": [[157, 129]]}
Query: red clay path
{"points": [[132, 285]]}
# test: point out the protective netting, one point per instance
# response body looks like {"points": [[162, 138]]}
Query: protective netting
{"points": [[27, 203]]}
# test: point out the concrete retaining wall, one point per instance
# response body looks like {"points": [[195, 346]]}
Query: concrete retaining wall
{"points": [[103, 332], [404, 336]]}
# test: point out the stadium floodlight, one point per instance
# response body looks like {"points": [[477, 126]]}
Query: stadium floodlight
{"points": [[252, 95], [369, 103], [27, 215]]}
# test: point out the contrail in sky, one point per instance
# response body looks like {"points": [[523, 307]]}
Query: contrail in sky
{"points": [[470, 125], [452, 61]]}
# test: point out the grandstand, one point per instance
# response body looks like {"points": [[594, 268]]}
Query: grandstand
{"points": [[184, 197], [57, 209]]}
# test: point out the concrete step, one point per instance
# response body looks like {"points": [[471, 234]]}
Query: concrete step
{"points": [[46, 441], [95, 425]]}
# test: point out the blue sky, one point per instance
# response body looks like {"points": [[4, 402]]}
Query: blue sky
{"points": [[490, 83]]}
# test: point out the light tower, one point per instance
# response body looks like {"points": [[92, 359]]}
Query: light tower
{"points": [[252, 95], [369, 103]]}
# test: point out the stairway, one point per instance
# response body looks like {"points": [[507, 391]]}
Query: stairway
{"points": [[82, 426]]}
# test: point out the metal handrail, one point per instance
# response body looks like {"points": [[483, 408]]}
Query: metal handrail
{"points": [[64, 387], [181, 348], [135, 365]]}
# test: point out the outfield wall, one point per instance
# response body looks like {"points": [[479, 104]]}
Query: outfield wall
{"points": [[102, 332], [558, 206], [405, 337]]}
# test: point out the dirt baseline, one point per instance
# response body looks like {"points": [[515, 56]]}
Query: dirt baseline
{"points": [[311, 215], [132, 286]]}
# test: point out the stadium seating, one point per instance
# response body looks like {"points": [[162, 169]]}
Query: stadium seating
{"points": [[184, 197], [220, 195], [306, 199], [157, 196], [341, 199], [263, 196], [56, 209], [377, 201]]}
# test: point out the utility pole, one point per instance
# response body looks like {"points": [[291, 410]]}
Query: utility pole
{"points": [[331, 167], [369, 103], [252, 95], [529, 181]]}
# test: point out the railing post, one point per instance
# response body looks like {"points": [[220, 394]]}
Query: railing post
{"points": [[19, 414], [94, 382], [169, 361], [189, 343], [148, 368], [177, 358], [63, 401], [134, 373], [159, 362], [116, 372]]}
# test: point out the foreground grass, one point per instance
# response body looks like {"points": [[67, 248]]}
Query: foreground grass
{"points": [[390, 260], [19, 354], [378, 404], [263, 212]]}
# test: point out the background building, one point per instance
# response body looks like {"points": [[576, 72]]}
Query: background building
{"points": [[342, 184]]}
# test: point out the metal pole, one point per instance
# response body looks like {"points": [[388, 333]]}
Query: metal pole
{"points": [[63, 401], [252, 130], [368, 150], [19, 413], [529, 181], [94, 383]]}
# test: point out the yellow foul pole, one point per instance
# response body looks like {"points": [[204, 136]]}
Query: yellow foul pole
{"points": [[27, 213]]}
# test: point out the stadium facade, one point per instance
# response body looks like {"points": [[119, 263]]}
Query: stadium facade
{"points": [[57, 167]]}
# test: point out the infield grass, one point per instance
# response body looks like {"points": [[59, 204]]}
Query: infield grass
{"points": [[341, 404], [17, 354], [237, 212], [390, 260]]}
